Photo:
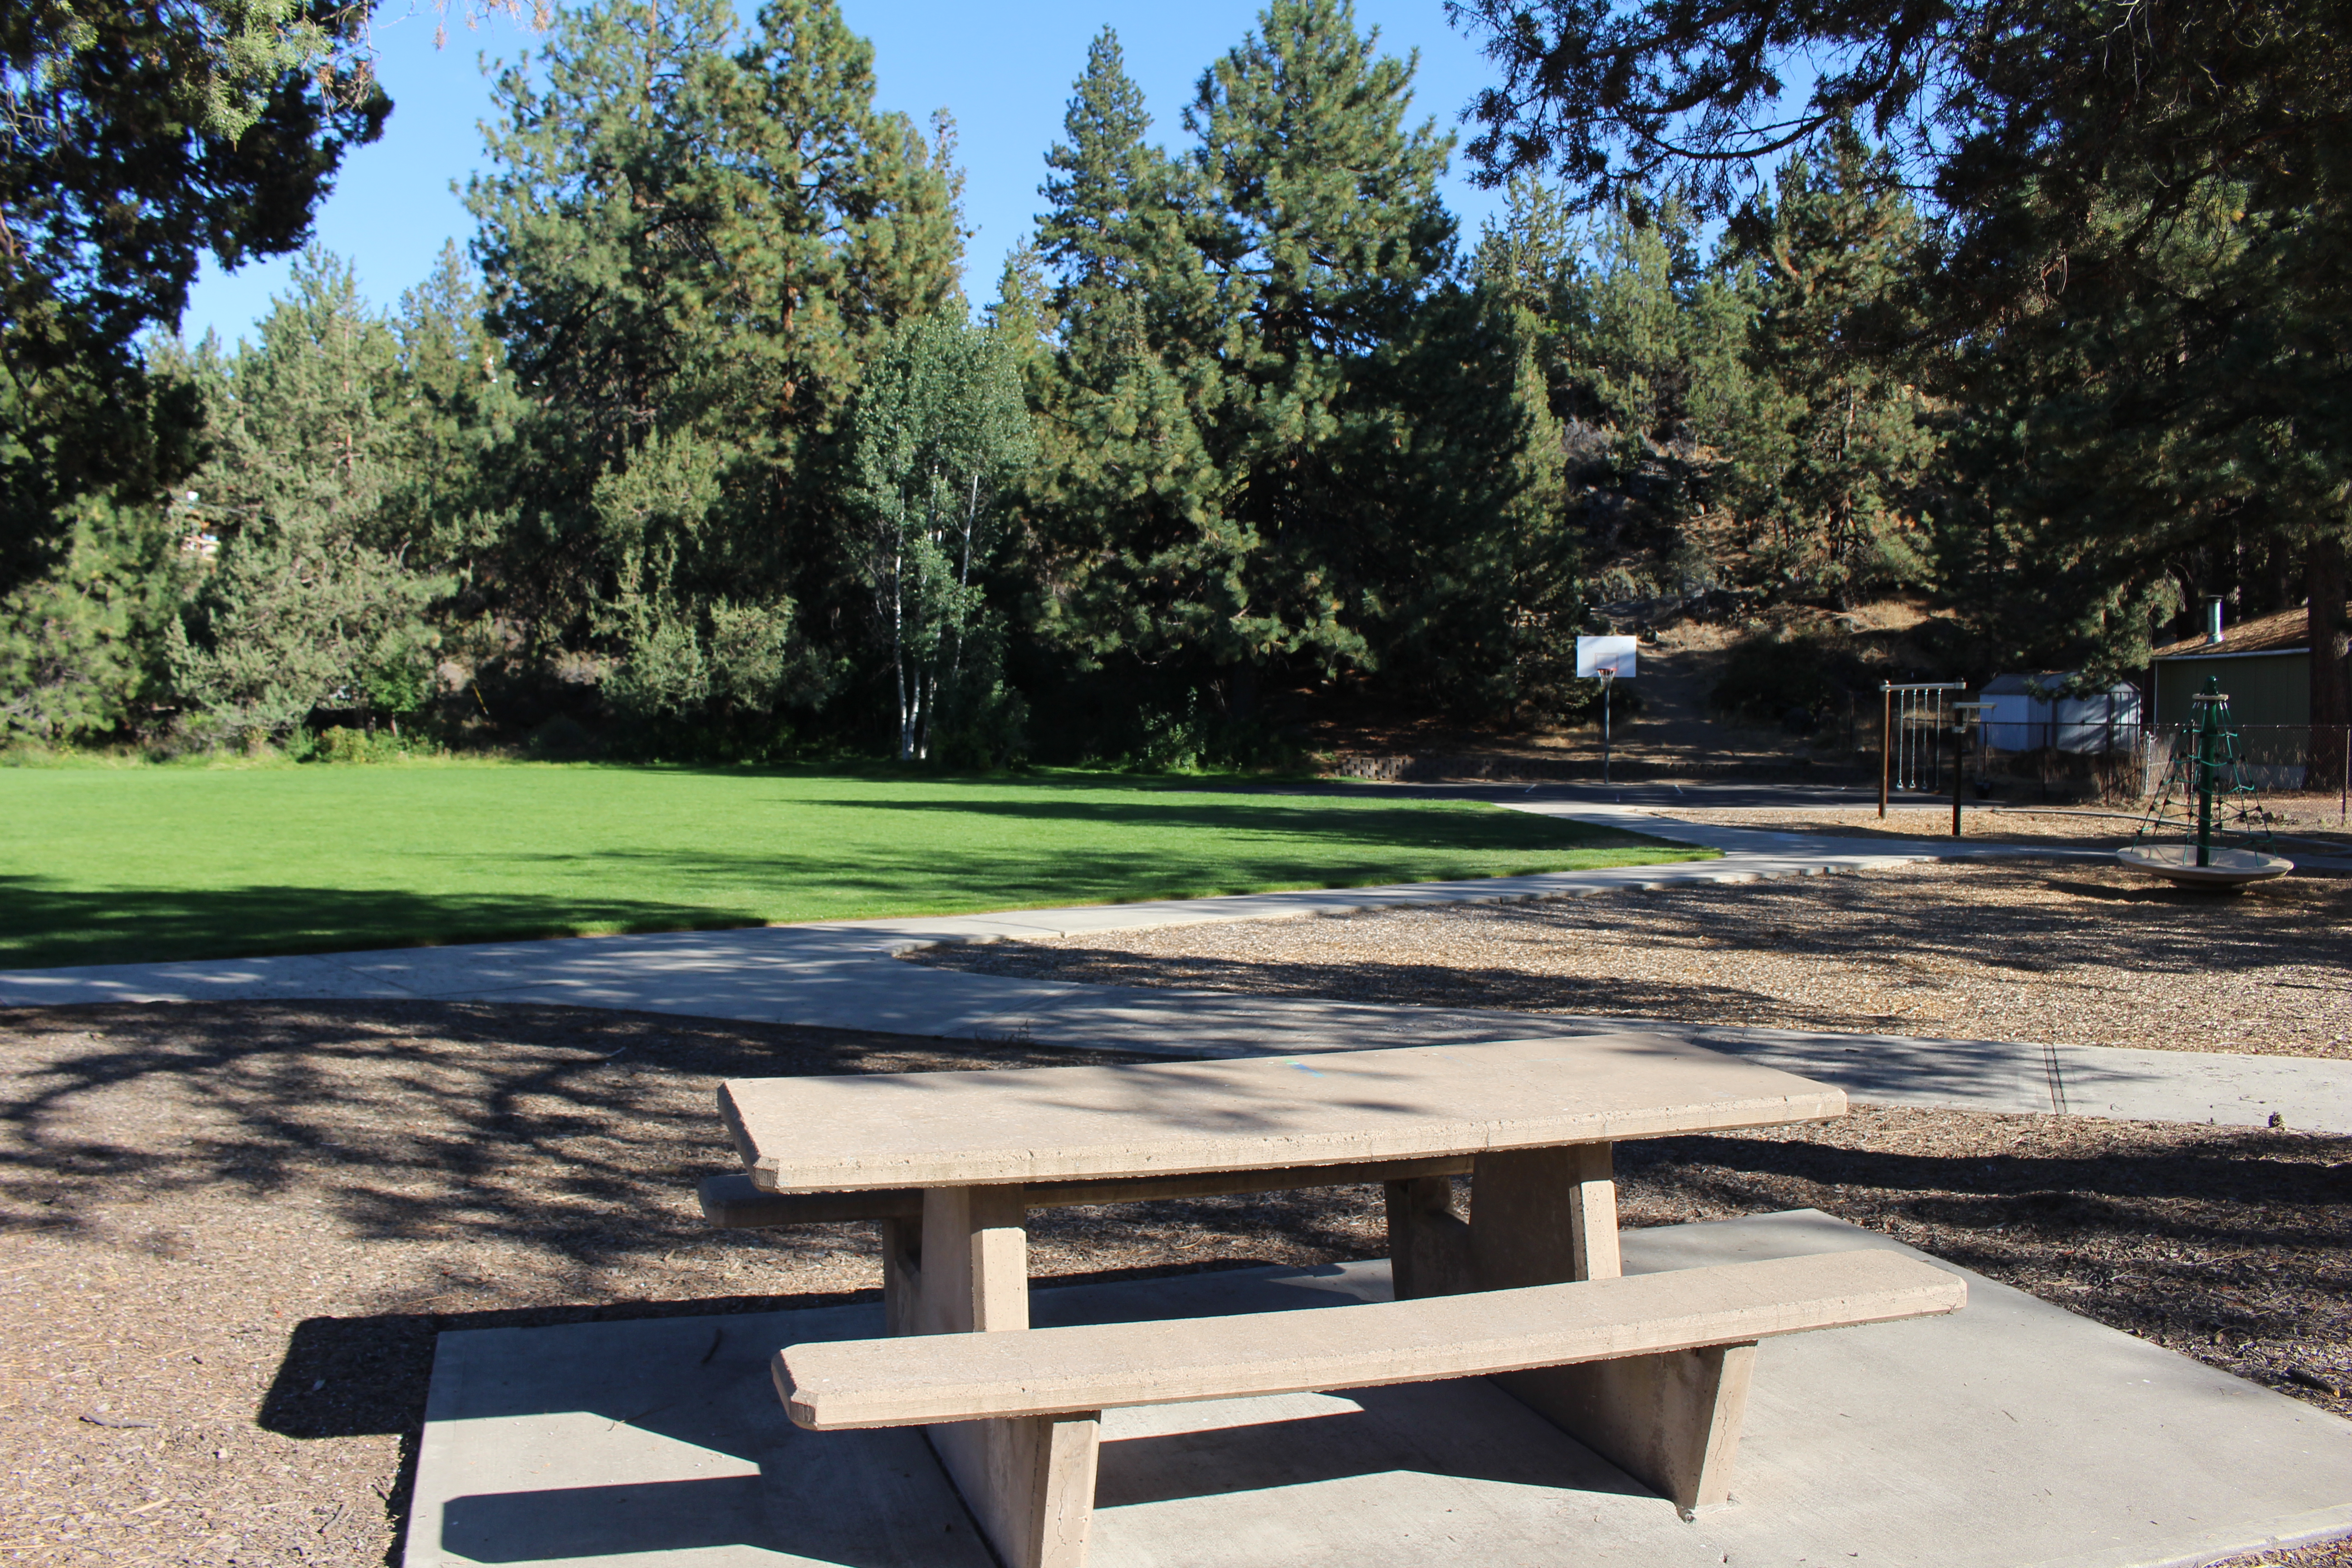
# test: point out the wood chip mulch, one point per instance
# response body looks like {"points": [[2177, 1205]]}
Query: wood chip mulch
{"points": [[229, 1233], [2305, 826], [2045, 951]]}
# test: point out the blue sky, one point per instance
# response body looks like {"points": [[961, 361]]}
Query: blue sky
{"points": [[1005, 72]]}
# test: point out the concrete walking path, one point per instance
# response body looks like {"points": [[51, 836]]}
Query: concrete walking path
{"points": [[840, 975]]}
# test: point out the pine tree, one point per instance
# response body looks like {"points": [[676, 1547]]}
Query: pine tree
{"points": [[306, 420], [456, 401], [1640, 355], [315, 598], [77, 643], [1482, 589], [695, 239], [1321, 227], [1123, 498], [134, 140], [2160, 430], [2136, 266], [1110, 196], [1828, 457], [1281, 440]]}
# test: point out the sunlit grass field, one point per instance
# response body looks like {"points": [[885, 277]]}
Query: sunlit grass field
{"points": [[123, 864]]}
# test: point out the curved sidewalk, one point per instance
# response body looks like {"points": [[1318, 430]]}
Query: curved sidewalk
{"points": [[841, 974]]}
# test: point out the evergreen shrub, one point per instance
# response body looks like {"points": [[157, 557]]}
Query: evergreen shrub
{"points": [[342, 744], [1795, 679]]}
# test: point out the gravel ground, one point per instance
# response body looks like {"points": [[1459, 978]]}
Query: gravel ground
{"points": [[229, 1234], [2056, 952]]}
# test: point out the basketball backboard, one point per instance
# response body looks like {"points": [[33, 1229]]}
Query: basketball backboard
{"points": [[1605, 656]]}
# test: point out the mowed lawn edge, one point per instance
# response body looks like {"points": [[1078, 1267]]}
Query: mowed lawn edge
{"points": [[113, 864]]}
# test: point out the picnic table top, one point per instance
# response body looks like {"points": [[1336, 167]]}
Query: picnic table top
{"points": [[1247, 1113]]}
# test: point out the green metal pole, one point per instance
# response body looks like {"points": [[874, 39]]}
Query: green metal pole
{"points": [[2208, 729]]}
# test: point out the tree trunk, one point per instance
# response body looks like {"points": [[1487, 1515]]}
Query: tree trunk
{"points": [[898, 655], [963, 586], [1241, 705], [2331, 687]]}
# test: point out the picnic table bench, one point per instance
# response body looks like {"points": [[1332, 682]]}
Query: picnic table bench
{"points": [[1650, 1371]]}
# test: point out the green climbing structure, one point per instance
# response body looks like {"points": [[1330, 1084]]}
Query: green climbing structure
{"points": [[2206, 801]]}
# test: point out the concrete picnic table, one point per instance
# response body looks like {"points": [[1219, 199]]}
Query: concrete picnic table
{"points": [[950, 1161]]}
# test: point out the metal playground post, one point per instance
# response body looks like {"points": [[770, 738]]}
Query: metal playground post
{"points": [[2212, 703], [1961, 713]]}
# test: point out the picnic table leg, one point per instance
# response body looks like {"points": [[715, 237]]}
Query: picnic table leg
{"points": [[1029, 1482], [902, 1274], [1429, 1244], [1538, 1217], [1544, 1217], [971, 1266]]}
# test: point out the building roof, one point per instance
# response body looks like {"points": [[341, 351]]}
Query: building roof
{"points": [[2280, 633], [2286, 632]]}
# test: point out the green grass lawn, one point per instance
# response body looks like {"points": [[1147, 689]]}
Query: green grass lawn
{"points": [[104, 864]]}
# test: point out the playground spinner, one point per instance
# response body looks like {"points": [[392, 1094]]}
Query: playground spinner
{"points": [[2206, 797]]}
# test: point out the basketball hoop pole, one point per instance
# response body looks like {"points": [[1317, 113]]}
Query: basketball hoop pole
{"points": [[1600, 658], [1607, 675]]}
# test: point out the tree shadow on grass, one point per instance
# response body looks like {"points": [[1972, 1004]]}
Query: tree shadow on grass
{"points": [[1454, 825], [44, 926]]}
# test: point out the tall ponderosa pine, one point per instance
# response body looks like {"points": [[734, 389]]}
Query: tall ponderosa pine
{"points": [[2121, 449], [1482, 590], [1124, 501], [136, 136], [1264, 455], [459, 402], [1321, 225], [1828, 456], [695, 238], [314, 599], [1639, 349]]}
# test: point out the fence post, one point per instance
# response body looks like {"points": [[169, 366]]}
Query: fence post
{"points": [[1959, 740]]}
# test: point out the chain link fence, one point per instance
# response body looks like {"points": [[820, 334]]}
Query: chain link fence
{"points": [[2126, 764]]}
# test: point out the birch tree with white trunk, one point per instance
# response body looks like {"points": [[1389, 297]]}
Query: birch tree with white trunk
{"points": [[940, 426]]}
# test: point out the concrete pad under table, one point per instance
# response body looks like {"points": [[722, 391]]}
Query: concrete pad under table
{"points": [[2013, 1434]]}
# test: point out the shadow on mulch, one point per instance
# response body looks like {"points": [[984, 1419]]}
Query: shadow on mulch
{"points": [[2229, 1244], [2025, 949], [233, 1232], [2021, 923]]}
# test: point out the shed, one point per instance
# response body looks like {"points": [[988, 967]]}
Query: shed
{"points": [[2029, 712], [2264, 665]]}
